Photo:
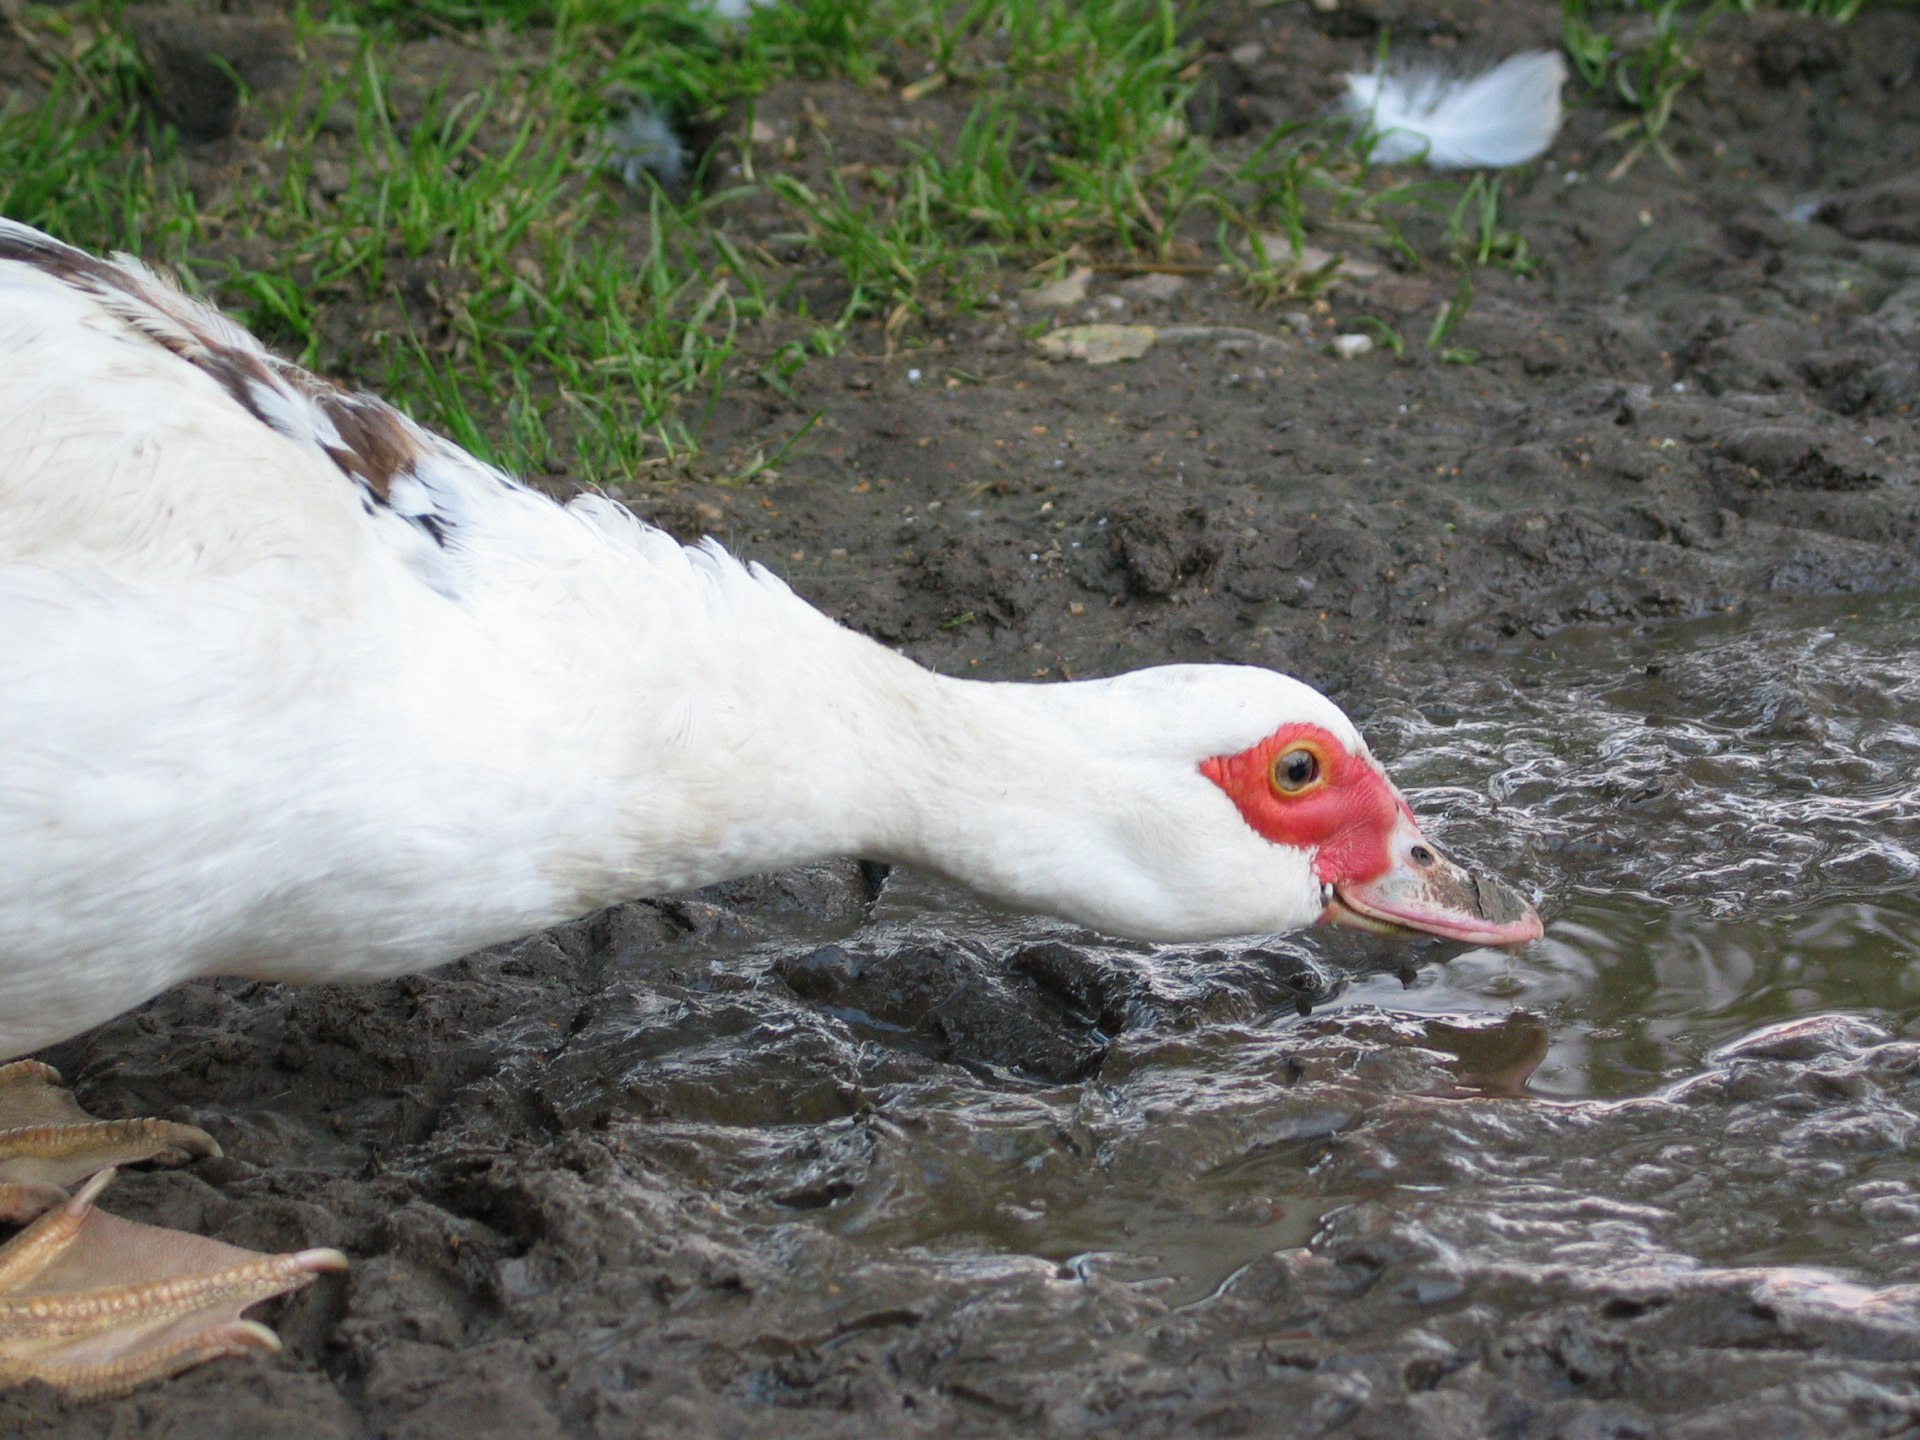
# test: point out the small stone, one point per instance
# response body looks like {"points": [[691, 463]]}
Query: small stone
{"points": [[341, 119], [1098, 344], [1402, 294], [1153, 287], [1312, 260], [1248, 54], [329, 178], [1352, 347], [1061, 294]]}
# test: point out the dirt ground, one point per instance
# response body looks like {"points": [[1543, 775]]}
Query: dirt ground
{"points": [[590, 1181]]}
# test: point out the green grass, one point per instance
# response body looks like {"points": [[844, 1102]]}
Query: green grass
{"points": [[83, 161], [591, 321], [1646, 73], [466, 257], [1476, 234], [463, 249]]}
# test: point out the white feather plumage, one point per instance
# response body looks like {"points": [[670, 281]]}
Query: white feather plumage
{"points": [[261, 716], [1504, 116]]}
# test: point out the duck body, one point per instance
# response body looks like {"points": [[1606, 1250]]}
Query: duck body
{"points": [[290, 688]]}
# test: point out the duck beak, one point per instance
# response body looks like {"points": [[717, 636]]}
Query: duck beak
{"points": [[1424, 892]]}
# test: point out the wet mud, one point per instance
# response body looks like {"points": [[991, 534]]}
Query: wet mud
{"points": [[834, 1153]]}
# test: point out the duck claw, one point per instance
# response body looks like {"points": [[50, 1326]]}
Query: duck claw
{"points": [[94, 1304], [47, 1140]]}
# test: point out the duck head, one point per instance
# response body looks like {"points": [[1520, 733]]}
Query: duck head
{"points": [[1312, 790], [1193, 802]]}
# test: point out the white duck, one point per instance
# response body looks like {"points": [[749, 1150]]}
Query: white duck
{"points": [[290, 688]]}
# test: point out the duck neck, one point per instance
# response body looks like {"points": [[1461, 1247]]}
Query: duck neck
{"points": [[1030, 795], [1009, 792], [820, 743]]}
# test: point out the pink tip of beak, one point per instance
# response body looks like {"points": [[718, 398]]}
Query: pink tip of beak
{"points": [[1424, 892]]}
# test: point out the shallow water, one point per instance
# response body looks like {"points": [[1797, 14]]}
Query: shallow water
{"points": [[1723, 818], [1720, 819], [1638, 994], [1700, 1078]]}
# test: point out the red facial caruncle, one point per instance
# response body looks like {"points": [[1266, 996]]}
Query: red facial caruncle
{"points": [[1302, 787], [1332, 802]]}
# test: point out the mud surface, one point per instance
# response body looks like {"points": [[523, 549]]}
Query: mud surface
{"points": [[829, 1154]]}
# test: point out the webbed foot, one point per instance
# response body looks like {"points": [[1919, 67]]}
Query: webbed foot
{"points": [[94, 1304], [48, 1143]]}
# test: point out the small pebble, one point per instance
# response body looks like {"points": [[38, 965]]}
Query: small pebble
{"points": [[1061, 294], [1152, 286], [1352, 347]]}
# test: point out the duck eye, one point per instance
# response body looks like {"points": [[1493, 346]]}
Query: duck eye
{"points": [[1295, 771]]}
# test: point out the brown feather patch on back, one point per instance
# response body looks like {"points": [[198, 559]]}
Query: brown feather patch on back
{"points": [[376, 441], [370, 442]]}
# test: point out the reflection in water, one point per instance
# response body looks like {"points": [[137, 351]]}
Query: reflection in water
{"points": [[1723, 816], [1639, 994]]}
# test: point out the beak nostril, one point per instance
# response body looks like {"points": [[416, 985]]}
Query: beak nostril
{"points": [[1422, 856]]}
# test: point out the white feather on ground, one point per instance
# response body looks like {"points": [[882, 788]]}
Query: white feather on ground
{"points": [[1504, 116], [638, 140]]}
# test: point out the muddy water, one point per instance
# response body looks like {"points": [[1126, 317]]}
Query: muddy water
{"points": [[1724, 816], [1727, 815], [1720, 819]]}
